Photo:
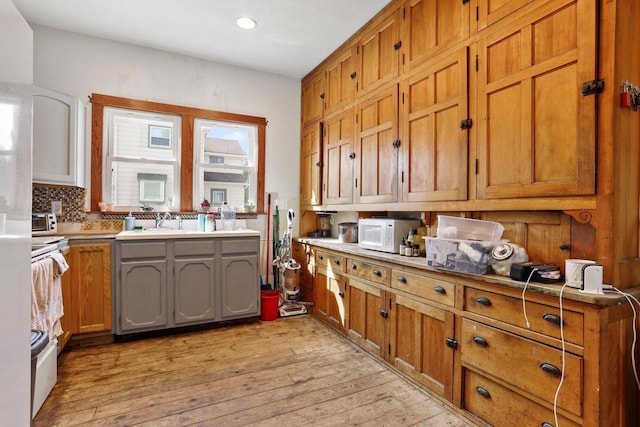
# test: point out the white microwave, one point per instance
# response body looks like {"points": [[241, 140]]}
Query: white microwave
{"points": [[384, 234]]}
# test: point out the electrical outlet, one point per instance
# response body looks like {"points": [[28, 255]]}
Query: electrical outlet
{"points": [[56, 207]]}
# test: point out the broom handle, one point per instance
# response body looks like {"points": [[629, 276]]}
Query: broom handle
{"points": [[267, 243]]}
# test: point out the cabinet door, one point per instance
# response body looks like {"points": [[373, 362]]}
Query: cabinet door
{"points": [[434, 148], [430, 27], [143, 295], [312, 98], [377, 143], [58, 121], [341, 81], [378, 54], [194, 290], [337, 302], [240, 287], [490, 11], [91, 288], [310, 165], [367, 316], [321, 283], [338, 159], [536, 131], [418, 334]]}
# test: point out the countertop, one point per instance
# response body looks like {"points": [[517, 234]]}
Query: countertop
{"points": [[554, 289]]}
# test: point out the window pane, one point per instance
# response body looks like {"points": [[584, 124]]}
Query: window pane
{"points": [[142, 159], [225, 160]]}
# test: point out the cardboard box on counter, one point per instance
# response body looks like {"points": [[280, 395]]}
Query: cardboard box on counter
{"points": [[466, 256]]}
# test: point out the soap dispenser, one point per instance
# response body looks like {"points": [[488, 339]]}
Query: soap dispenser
{"points": [[129, 222]]}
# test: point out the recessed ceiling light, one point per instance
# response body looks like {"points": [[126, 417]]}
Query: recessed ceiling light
{"points": [[246, 22]]}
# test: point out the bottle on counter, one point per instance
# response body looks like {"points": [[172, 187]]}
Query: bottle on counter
{"points": [[408, 250], [410, 237], [402, 247]]}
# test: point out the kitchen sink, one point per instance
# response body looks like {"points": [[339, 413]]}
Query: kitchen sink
{"points": [[168, 233]]}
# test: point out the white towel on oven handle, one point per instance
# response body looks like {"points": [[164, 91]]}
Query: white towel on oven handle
{"points": [[60, 262]]}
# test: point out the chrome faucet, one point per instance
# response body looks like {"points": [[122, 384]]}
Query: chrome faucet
{"points": [[179, 219], [160, 220]]}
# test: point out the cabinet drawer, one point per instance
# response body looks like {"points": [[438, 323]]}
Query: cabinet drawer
{"points": [[542, 318], [330, 261], [495, 404], [424, 287], [530, 366], [368, 271], [193, 247], [239, 246], [143, 250], [300, 251]]}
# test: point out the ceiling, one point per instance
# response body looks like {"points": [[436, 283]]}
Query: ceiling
{"points": [[291, 38]]}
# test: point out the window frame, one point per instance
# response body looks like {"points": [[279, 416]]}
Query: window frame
{"points": [[188, 116]]}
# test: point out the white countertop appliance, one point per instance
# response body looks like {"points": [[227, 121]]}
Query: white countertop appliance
{"points": [[43, 224], [384, 234]]}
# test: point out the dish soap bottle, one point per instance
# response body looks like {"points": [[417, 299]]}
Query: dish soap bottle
{"points": [[129, 222]]}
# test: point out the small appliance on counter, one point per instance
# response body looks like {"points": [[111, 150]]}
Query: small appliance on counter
{"points": [[43, 224], [324, 221], [384, 234], [348, 232]]}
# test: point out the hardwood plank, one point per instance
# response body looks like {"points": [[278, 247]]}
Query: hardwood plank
{"points": [[287, 372]]}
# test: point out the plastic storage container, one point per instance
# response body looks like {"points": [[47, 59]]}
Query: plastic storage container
{"points": [[466, 256], [450, 227]]}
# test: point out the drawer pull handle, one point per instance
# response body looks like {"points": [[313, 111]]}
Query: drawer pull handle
{"points": [[336, 261], [402, 279], [384, 313], [546, 424], [440, 290], [552, 318], [550, 369], [483, 301], [320, 256], [354, 267], [377, 273], [483, 392], [341, 294], [480, 341]]}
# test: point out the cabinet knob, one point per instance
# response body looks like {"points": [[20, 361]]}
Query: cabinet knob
{"points": [[552, 318], [546, 424], [341, 294], [402, 279], [483, 301], [354, 267], [483, 392], [336, 261], [377, 273], [384, 313], [352, 155], [480, 341], [440, 290], [550, 369], [320, 256]]}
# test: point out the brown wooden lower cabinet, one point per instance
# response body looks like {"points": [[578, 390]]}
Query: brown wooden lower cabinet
{"points": [[89, 308], [65, 321], [466, 339]]}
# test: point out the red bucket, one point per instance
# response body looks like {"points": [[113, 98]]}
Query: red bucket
{"points": [[269, 302]]}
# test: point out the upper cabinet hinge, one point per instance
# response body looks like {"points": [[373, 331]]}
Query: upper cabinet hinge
{"points": [[356, 118], [404, 12], [592, 87], [476, 165], [451, 343], [403, 97], [465, 1], [402, 177], [358, 50], [477, 64], [398, 45], [477, 13], [466, 124]]}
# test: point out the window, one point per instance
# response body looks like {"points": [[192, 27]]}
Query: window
{"points": [[234, 146], [163, 165], [139, 145]]}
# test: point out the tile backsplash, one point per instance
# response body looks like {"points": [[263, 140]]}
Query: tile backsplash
{"points": [[72, 199]]}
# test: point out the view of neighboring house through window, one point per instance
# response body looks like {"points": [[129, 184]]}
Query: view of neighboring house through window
{"points": [[141, 160], [225, 163]]}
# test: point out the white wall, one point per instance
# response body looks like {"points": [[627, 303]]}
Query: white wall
{"points": [[16, 53], [80, 65]]}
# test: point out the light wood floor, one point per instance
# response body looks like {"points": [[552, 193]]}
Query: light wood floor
{"points": [[288, 372]]}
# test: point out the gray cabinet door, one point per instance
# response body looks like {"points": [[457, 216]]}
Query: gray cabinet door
{"points": [[194, 290], [143, 295], [239, 285]]}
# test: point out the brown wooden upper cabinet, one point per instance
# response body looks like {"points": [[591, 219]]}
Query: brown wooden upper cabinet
{"points": [[340, 85], [338, 155], [313, 94], [311, 165], [536, 129], [430, 27], [490, 11], [378, 53], [434, 147], [377, 145]]}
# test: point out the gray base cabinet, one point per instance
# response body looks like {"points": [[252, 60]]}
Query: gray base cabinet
{"points": [[169, 283]]}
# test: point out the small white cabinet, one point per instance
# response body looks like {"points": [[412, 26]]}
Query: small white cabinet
{"points": [[58, 138]]}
